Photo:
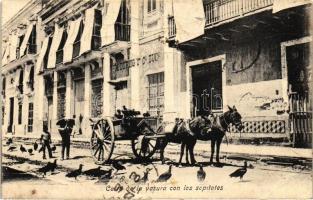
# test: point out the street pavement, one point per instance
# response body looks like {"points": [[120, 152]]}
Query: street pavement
{"points": [[271, 174]]}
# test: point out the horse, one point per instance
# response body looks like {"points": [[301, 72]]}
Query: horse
{"points": [[187, 132]]}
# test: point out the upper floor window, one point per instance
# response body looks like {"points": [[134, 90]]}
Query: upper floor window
{"points": [[151, 5]]}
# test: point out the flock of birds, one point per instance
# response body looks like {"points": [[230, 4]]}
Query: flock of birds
{"points": [[23, 149], [107, 175]]}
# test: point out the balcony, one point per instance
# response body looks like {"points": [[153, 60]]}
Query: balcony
{"points": [[219, 11], [59, 57], [122, 31]]}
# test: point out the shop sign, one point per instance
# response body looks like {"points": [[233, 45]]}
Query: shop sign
{"points": [[122, 69]]}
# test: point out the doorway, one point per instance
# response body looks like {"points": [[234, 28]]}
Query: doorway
{"points": [[11, 115], [207, 92]]}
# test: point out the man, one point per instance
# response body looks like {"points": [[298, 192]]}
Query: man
{"points": [[45, 141], [65, 130]]}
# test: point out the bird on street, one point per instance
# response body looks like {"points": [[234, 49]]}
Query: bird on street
{"points": [[118, 165], [165, 176], [240, 172], [11, 148], [22, 149], [30, 151], [9, 141], [53, 165], [75, 173], [145, 178], [95, 172], [45, 169], [201, 174], [106, 177], [35, 146]]}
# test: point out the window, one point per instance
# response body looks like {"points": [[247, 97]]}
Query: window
{"points": [[20, 85], [151, 5], [30, 117], [3, 115], [156, 93], [20, 110], [3, 86]]}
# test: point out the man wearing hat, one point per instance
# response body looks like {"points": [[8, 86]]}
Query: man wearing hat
{"points": [[65, 130]]}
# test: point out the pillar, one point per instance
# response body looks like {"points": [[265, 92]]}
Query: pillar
{"points": [[106, 86], [171, 100], [55, 102], [39, 95], [87, 97], [68, 95], [134, 71]]}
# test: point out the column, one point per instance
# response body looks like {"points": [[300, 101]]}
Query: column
{"points": [[68, 95], [87, 97], [39, 87], [171, 100], [55, 102], [106, 86], [134, 72]]}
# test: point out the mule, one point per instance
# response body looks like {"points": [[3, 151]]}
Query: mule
{"points": [[203, 128]]}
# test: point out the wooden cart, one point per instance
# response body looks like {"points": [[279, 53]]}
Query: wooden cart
{"points": [[140, 130]]}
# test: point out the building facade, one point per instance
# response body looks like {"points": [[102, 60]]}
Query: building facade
{"points": [[94, 57]]}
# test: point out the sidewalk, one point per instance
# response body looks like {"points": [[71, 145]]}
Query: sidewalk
{"points": [[204, 147]]}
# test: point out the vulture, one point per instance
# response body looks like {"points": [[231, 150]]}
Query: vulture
{"points": [[165, 176], [239, 172]]}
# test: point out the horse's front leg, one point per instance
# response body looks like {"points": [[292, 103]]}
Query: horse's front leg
{"points": [[182, 148], [212, 150], [191, 151], [162, 143], [218, 145], [187, 150]]}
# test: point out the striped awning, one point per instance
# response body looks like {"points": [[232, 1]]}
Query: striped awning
{"points": [[108, 21], [57, 37], [189, 19], [279, 5], [43, 52], [13, 47], [26, 39], [73, 30], [85, 44]]}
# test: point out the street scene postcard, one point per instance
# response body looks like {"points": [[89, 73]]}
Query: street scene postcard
{"points": [[156, 99]]}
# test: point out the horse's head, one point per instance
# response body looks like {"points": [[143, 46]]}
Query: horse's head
{"points": [[235, 118]]}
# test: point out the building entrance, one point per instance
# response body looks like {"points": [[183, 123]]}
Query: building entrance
{"points": [[207, 88]]}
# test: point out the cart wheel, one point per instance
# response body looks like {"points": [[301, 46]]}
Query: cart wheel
{"points": [[144, 147], [102, 141]]}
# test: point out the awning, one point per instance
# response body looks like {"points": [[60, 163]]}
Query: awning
{"points": [[42, 54], [13, 47], [72, 34], [189, 19], [57, 37], [85, 41], [17, 77], [27, 72], [108, 21], [5, 54], [279, 5], [26, 39]]}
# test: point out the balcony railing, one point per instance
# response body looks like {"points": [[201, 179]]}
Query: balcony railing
{"points": [[76, 49], [222, 10], [59, 56], [122, 31]]}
